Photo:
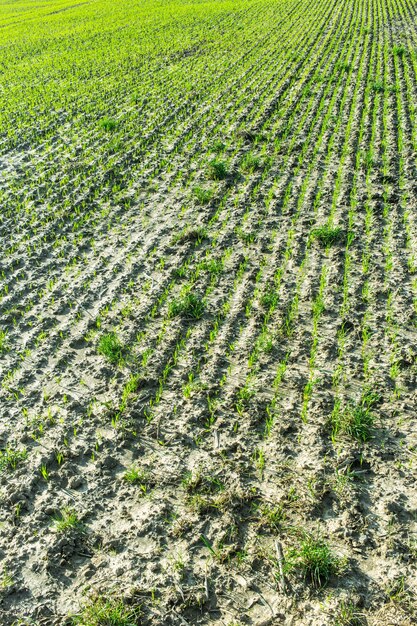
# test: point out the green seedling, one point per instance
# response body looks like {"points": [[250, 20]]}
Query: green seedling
{"points": [[378, 86], [398, 51], [218, 147], [348, 615], [44, 472], [195, 235], [6, 580], [3, 341], [209, 545]]}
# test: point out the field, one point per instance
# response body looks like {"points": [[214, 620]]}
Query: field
{"points": [[208, 312]]}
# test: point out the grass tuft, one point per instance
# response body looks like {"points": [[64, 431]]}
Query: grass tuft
{"points": [[398, 51], [203, 196], [67, 521], [194, 235], [3, 341], [190, 305], [218, 146], [108, 124], [354, 420], [314, 559], [111, 347], [348, 615], [378, 86], [271, 516], [10, 458], [250, 163], [107, 612], [217, 169], [327, 236], [138, 477]]}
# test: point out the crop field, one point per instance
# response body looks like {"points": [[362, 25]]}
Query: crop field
{"points": [[208, 312]]}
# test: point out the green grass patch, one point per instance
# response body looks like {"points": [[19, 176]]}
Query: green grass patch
{"points": [[202, 195], [354, 420], [217, 169], [314, 560], [111, 348], [250, 163], [11, 458], [107, 612], [190, 305], [67, 521], [139, 477], [398, 51], [328, 236], [108, 124], [3, 341]]}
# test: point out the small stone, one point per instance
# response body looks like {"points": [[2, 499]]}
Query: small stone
{"points": [[90, 570], [75, 482]]}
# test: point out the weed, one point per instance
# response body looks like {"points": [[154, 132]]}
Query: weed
{"points": [[108, 124], [191, 305], [259, 459], [10, 458], [398, 51], [271, 516], [136, 476], [203, 196], [354, 420], [197, 482], [314, 559], [243, 396], [217, 169], [341, 480], [270, 300], [218, 147], [44, 472], [370, 398], [250, 163], [107, 612], [213, 266], [195, 235], [59, 457], [209, 545], [378, 86], [399, 593], [111, 347], [327, 236], [3, 341], [6, 580], [345, 67], [67, 521], [201, 504], [347, 615], [247, 237]]}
